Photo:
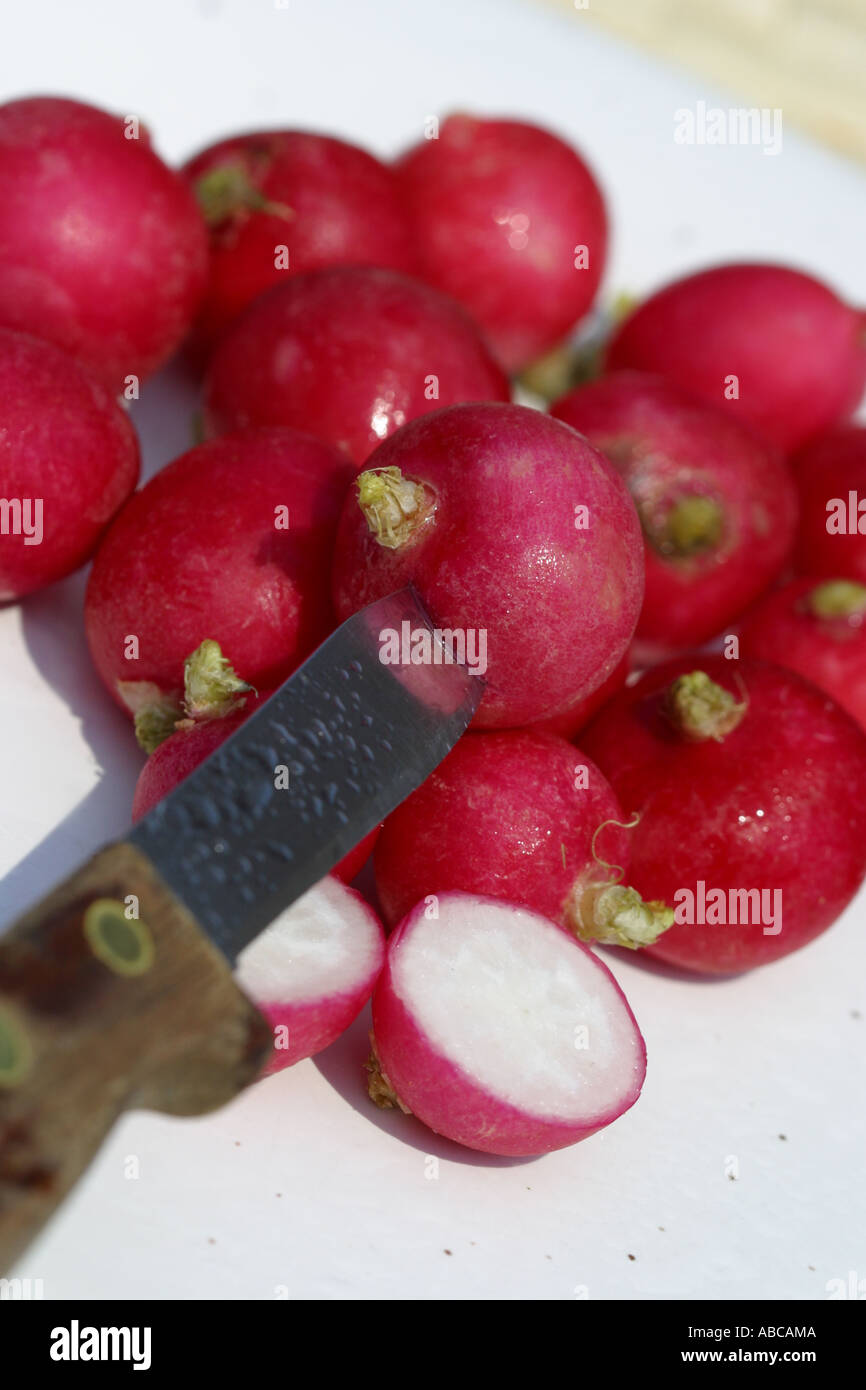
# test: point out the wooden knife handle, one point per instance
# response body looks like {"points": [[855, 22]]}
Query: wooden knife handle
{"points": [[111, 998]]}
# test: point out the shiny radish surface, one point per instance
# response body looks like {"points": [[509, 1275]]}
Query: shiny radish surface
{"points": [[748, 782], [772, 346], [349, 355], [508, 219], [325, 201], [831, 479], [231, 543], [818, 628], [717, 505], [103, 250], [517, 534], [69, 459]]}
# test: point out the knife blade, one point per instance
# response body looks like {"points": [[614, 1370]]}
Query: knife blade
{"points": [[116, 990], [307, 776]]}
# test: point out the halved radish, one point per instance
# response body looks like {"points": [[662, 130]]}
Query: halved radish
{"points": [[500, 1031], [311, 971]]}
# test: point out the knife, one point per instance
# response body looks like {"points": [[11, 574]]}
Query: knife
{"points": [[116, 990]]}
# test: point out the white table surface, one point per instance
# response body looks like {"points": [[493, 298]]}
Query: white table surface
{"points": [[300, 1189]]}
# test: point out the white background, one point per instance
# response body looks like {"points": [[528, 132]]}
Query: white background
{"points": [[301, 1188]]}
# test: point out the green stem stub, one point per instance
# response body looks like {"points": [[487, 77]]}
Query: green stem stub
{"points": [[155, 713], [618, 916], [224, 192], [838, 598], [394, 507], [156, 722], [700, 709], [212, 688], [690, 526]]}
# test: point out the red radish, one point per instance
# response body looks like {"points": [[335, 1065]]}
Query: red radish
{"points": [[509, 220], [177, 755], [352, 863], [232, 542], [499, 1031], [518, 536], [816, 627], [313, 969], [791, 350], [102, 248], [831, 477], [350, 355], [570, 723], [280, 196], [717, 505], [749, 786], [68, 460], [520, 816], [177, 745]]}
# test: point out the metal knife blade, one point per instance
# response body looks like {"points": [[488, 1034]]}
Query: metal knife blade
{"points": [[352, 737]]}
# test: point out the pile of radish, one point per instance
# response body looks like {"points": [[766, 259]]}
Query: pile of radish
{"points": [[667, 567]]}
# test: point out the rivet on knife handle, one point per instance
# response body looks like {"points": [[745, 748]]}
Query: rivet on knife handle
{"points": [[110, 998]]}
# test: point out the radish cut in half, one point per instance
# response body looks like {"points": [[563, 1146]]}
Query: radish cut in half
{"points": [[499, 1030], [312, 970]]}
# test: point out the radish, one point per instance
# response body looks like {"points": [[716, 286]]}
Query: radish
{"points": [[499, 1031], [521, 816], [569, 724], [180, 736], [350, 355], [68, 460], [774, 347], [831, 478], [717, 505], [282, 201], [313, 969], [748, 785], [519, 537], [230, 542], [102, 248], [816, 627], [509, 220]]}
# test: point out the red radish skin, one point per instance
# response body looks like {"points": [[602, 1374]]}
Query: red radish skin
{"points": [[488, 528], [327, 202], [103, 250], [475, 1030], [798, 352], [350, 355], [352, 863], [831, 478], [68, 460], [201, 552], [510, 221], [514, 815], [569, 724], [179, 754], [313, 969], [717, 505], [175, 758], [816, 627], [774, 803]]}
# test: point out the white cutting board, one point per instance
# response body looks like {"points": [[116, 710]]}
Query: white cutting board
{"points": [[301, 1189]]}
